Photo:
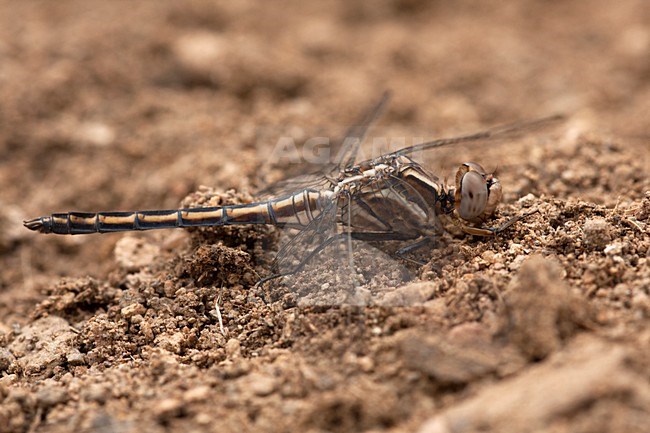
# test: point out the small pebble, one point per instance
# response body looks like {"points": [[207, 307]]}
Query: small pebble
{"points": [[203, 418], [233, 348], [262, 385], [366, 364], [96, 134], [168, 408], [527, 199], [132, 310], [203, 55], [169, 289], [172, 343], [95, 392], [6, 359], [516, 262], [75, 357], [596, 232], [9, 379], [199, 393], [51, 396], [614, 249]]}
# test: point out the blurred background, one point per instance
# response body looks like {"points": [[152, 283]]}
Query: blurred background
{"points": [[132, 105]]}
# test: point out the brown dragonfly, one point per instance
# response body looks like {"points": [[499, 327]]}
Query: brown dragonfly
{"points": [[387, 198]]}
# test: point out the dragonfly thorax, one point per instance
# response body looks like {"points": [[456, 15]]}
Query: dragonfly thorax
{"points": [[357, 177]]}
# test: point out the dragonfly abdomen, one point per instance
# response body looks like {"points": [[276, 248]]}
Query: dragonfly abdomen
{"points": [[295, 210], [74, 223]]}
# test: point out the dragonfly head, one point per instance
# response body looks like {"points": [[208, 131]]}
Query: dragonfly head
{"points": [[477, 193]]}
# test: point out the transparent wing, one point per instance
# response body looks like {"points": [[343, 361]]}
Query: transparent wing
{"points": [[306, 243], [354, 136], [315, 269], [344, 153], [317, 180], [500, 133], [384, 217], [345, 256]]}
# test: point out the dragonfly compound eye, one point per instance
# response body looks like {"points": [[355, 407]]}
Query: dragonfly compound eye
{"points": [[473, 196]]}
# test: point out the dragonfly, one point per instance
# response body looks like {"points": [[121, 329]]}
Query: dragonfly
{"points": [[390, 197]]}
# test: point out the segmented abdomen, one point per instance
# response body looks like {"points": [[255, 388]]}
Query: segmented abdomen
{"points": [[296, 210]]}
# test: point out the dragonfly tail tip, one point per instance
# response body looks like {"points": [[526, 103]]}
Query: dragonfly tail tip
{"points": [[36, 225]]}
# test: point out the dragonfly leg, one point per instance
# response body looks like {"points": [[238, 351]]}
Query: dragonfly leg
{"points": [[402, 252], [493, 231], [302, 264]]}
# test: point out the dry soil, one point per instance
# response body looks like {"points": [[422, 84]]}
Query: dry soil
{"points": [[136, 105]]}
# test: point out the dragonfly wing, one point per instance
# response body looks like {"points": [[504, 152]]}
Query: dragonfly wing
{"points": [[345, 152], [323, 264], [315, 269], [317, 180], [354, 136], [511, 131], [386, 218], [381, 218]]}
